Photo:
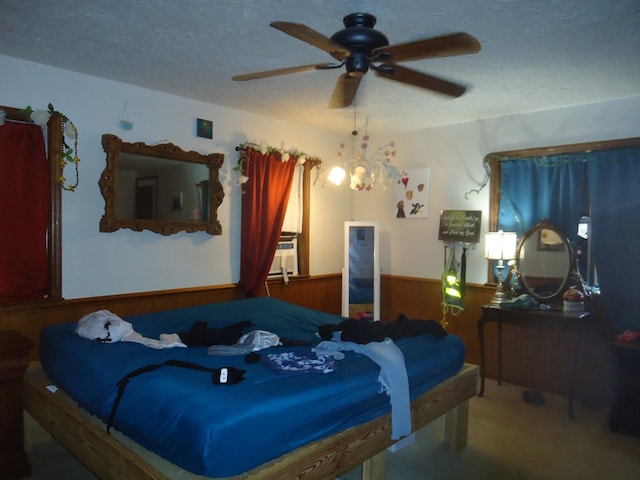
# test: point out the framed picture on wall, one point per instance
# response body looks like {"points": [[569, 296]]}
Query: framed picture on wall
{"points": [[176, 201], [204, 128], [412, 194], [550, 241]]}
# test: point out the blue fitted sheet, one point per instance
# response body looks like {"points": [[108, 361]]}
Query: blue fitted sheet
{"points": [[224, 430]]}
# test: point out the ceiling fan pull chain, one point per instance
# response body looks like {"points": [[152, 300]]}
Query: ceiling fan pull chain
{"points": [[355, 113]]}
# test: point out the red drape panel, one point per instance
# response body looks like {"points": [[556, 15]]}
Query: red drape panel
{"points": [[24, 212], [264, 204]]}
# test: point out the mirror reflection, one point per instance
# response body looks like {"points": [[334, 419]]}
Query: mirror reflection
{"points": [[544, 261], [161, 188], [151, 188], [361, 295]]}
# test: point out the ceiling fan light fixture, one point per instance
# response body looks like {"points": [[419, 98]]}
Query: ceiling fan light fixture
{"points": [[359, 33], [357, 64], [384, 69], [365, 168], [360, 47]]}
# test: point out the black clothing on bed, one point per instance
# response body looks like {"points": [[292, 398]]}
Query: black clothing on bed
{"points": [[201, 335], [365, 331]]}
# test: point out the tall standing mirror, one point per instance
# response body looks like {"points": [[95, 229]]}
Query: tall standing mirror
{"points": [[160, 188], [361, 272]]}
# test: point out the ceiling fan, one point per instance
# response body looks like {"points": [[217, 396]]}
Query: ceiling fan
{"points": [[358, 47]]}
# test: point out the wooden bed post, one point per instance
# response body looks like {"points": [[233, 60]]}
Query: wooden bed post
{"points": [[375, 468], [456, 426]]}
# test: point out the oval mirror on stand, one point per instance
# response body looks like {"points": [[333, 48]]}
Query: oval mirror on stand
{"points": [[544, 261]]}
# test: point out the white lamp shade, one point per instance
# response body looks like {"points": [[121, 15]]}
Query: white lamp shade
{"points": [[500, 245]]}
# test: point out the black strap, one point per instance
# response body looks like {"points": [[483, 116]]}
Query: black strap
{"points": [[124, 381], [463, 272], [192, 366]]}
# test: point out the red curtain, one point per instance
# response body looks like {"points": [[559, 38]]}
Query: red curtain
{"points": [[264, 204], [24, 212]]}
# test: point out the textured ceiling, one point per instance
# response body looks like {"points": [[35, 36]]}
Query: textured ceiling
{"points": [[535, 55]]}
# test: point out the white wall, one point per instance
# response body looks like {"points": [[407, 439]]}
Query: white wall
{"points": [[97, 263], [454, 155]]}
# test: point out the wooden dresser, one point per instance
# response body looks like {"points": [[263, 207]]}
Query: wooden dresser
{"points": [[624, 415], [14, 349]]}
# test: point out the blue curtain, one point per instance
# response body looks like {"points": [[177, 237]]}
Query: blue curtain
{"points": [[614, 183], [551, 187], [559, 188]]}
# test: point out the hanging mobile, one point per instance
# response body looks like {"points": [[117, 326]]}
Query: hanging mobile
{"points": [[124, 123]]}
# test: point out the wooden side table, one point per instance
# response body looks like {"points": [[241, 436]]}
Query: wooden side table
{"points": [[537, 319], [14, 348]]}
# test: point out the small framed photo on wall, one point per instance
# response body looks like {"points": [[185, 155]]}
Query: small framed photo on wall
{"points": [[204, 128]]}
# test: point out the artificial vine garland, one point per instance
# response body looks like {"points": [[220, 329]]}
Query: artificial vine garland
{"points": [[69, 130], [285, 156]]}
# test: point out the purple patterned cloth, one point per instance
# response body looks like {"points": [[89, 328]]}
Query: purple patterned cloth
{"points": [[297, 362]]}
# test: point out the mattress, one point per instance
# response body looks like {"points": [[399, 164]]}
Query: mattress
{"points": [[224, 430]]}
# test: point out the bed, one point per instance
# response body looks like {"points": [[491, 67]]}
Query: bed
{"points": [[175, 423]]}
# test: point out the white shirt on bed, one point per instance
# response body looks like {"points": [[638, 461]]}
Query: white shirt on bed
{"points": [[106, 327]]}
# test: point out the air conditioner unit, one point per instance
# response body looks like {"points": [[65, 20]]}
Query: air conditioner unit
{"points": [[285, 261]]}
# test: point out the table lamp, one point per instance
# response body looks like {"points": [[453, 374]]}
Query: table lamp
{"points": [[500, 246]]}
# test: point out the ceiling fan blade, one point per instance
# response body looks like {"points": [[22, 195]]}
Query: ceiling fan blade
{"points": [[285, 71], [419, 79], [444, 46], [344, 91], [312, 37]]}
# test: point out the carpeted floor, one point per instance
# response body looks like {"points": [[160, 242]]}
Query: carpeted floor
{"points": [[508, 439]]}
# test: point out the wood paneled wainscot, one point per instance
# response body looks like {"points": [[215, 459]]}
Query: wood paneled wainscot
{"points": [[539, 359], [320, 292], [532, 359]]}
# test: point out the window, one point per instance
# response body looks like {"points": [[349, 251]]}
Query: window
{"points": [[590, 183], [303, 194], [264, 204]]}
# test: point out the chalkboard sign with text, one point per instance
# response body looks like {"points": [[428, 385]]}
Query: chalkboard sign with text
{"points": [[460, 226]]}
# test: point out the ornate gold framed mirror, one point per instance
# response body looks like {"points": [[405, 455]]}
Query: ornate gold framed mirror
{"points": [[160, 188]]}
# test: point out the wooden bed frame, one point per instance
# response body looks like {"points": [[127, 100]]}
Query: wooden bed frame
{"points": [[115, 457]]}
